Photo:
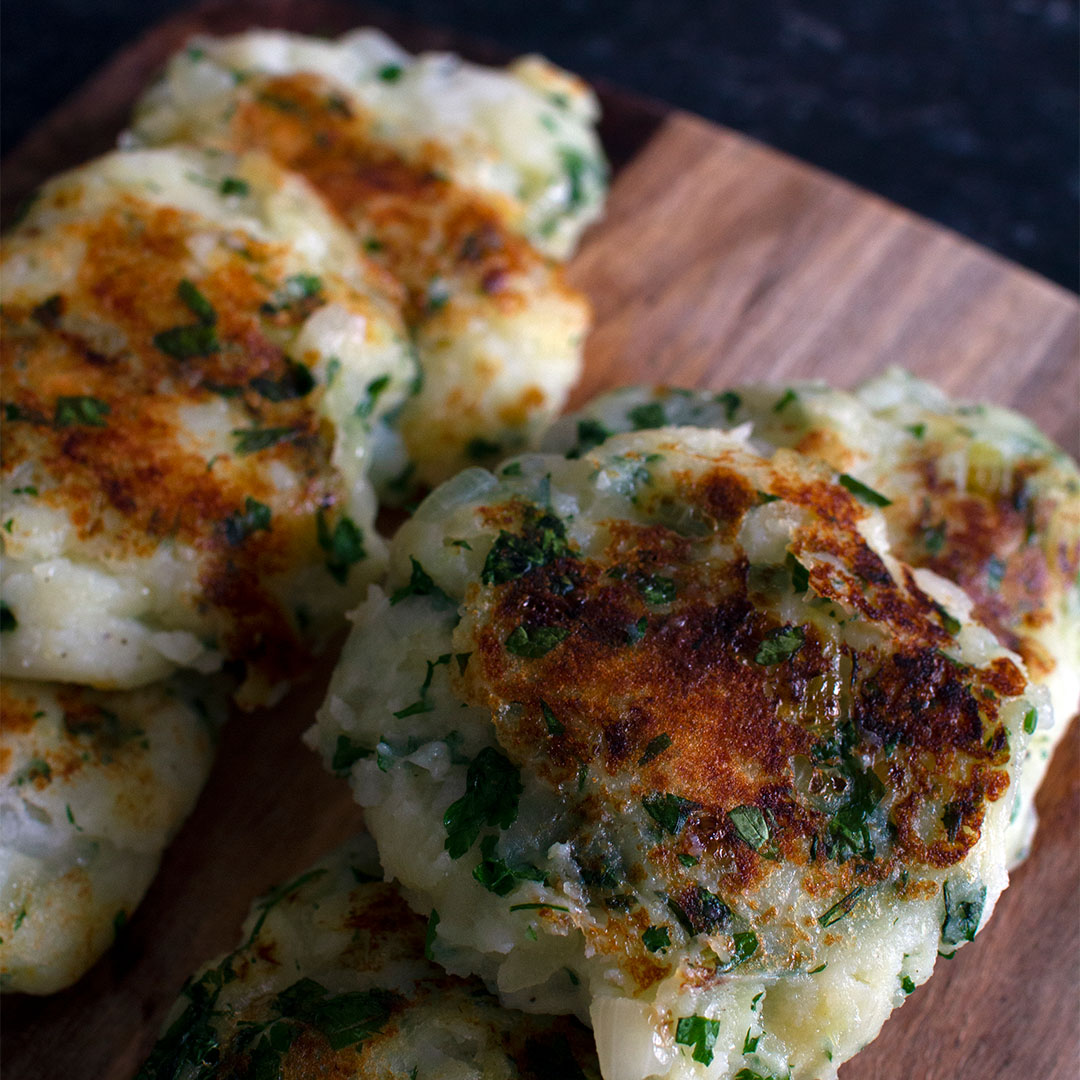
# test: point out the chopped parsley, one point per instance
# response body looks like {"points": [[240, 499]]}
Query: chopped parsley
{"points": [[669, 811], [479, 448], [297, 382], [949, 622], [233, 185], [347, 753], [8, 620], [787, 398], [390, 72], [538, 907], [196, 303], [492, 788], [688, 860], [848, 829], [731, 403], [513, 469], [542, 541], [918, 430], [800, 576], [933, 538], [420, 584], [240, 524], [80, 410], [429, 936], [750, 824], [1031, 719], [779, 645], [532, 642], [647, 415], [907, 985], [701, 1034], [655, 589], [496, 875], [577, 167], [964, 903], [198, 339], [841, 908], [656, 938], [590, 434], [636, 631], [745, 945], [554, 725], [296, 291], [344, 545], [655, 748], [366, 406], [863, 493], [750, 1042], [252, 440], [28, 489]]}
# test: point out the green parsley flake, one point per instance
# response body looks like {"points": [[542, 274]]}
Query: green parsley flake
{"points": [[750, 1042], [253, 440], [366, 406], [656, 938], [750, 824], [701, 1034], [655, 748], [347, 753], [80, 410], [429, 937], [1031, 720], [647, 415], [390, 72], [420, 584], [669, 811], [787, 398], [240, 524], [863, 493], [344, 545], [196, 303], [542, 541], [496, 875], [964, 902], [554, 725], [841, 908], [532, 642], [779, 645], [233, 185], [907, 985], [590, 434], [745, 944], [492, 788]]}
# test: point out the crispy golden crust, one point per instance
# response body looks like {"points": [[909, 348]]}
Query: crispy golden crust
{"points": [[673, 699], [417, 223]]}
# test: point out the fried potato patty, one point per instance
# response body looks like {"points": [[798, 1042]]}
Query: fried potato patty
{"points": [[194, 355], [332, 980], [457, 179], [666, 737], [975, 493], [93, 785]]}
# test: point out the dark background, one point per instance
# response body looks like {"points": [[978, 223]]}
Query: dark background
{"points": [[963, 110]]}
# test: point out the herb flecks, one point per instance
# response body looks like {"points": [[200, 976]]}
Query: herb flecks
{"points": [[701, 1034], [492, 788], [779, 645], [240, 524], [344, 545], [541, 541]]}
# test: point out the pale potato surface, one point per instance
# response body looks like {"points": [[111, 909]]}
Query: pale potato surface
{"points": [[93, 785], [668, 739], [462, 181], [976, 493], [331, 980], [194, 358]]}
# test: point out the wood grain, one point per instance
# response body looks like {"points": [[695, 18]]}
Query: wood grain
{"points": [[719, 260]]}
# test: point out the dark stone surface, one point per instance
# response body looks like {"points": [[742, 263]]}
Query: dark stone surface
{"points": [[963, 110]]}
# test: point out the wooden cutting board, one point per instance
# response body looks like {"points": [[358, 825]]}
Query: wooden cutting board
{"points": [[719, 260]]}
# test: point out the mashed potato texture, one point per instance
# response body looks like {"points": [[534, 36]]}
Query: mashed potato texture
{"points": [[332, 980], [974, 492], [462, 181], [194, 358], [93, 785], [664, 736]]}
